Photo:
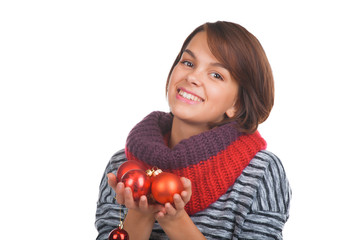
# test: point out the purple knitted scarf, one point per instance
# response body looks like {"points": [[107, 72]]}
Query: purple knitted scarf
{"points": [[212, 160]]}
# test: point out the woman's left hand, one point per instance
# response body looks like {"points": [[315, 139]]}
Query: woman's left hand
{"points": [[175, 221], [180, 200]]}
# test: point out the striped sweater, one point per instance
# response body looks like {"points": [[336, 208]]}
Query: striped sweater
{"points": [[255, 207]]}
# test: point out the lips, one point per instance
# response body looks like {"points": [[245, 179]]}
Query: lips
{"points": [[189, 96]]}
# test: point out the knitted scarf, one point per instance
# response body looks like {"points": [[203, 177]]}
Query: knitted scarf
{"points": [[212, 160]]}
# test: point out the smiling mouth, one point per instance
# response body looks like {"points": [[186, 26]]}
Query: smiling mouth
{"points": [[189, 96]]}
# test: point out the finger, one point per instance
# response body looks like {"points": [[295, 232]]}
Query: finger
{"points": [[119, 190], [186, 194], [186, 183], [170, 209], [128, 197], [112, 180], [143, 204], [178, 201], [160, 215], [159, 208]]}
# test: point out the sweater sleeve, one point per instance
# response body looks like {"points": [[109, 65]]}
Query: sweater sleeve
{"points": [[270, 208], [108, 210]]}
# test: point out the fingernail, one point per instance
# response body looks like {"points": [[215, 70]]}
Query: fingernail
{"points": [[143, 198]]}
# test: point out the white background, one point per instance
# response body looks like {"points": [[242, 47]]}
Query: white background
{"points": [[77, 75]]}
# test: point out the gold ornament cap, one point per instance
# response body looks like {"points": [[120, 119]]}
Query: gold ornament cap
{"points": [[157, 172], [153, 172]]}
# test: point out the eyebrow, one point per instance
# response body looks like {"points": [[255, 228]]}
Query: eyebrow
{"points": [[215, 64], [190, 53]]}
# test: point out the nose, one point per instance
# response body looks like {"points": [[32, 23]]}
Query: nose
{"points": [[194, 78]]}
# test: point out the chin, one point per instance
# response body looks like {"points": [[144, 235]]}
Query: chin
{"points": [[180, 114]]}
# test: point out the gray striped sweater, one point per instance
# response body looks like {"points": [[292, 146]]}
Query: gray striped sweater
{"points": [[255, 207]]}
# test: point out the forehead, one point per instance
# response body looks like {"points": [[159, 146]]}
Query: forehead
{"points": [[199, 46], [199, 37]]}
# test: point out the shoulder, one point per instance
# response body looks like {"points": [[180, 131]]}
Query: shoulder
{"points": [[106, 194], [271, 194], [264, 181], [105, 191], [263, 163], [260, 193], [268, 163], [269, 176], [115, 161], [108, 210]]}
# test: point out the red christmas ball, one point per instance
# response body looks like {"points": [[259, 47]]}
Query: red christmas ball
{"points": [[127, 166], [138, 181], [118, 234], [164, 186]]}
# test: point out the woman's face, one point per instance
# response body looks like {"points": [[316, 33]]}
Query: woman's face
{"points": [[201, 90]]}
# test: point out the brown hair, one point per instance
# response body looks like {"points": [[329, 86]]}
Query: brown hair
{"points": [[243, 56]]}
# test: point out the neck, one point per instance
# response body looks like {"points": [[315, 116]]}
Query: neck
{"points": [[182, 130]]}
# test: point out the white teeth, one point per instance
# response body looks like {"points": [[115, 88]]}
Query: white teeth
{"points": [[189, 96]]}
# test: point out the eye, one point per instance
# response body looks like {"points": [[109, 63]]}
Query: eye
{"points": [[217, 76], [187, 63]]}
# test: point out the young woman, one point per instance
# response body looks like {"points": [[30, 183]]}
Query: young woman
{"points": [[219, 89]]}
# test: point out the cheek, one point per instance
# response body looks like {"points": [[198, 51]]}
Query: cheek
{"points": [[172, 80], [171, 89], [232, 92], [233, 95], [225, 97]]}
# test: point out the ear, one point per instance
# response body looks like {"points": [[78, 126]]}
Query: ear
{"points": [[231, 111]]}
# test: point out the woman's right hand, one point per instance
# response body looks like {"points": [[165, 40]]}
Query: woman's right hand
{"points": [[124, 196], [141, 214]]}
